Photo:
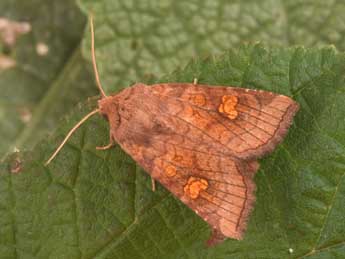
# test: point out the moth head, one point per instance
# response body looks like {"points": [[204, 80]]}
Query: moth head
{"points": [[115, 104], [107, 106]]}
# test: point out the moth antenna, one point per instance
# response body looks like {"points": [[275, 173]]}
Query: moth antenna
{"points": [[98, 82], [86, 117]]}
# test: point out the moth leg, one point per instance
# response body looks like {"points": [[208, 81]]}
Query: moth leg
{"points": [[195, 81], [110, 145], [153, 184]]}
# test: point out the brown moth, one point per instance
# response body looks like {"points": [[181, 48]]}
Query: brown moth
{"points": [[201, 142]]}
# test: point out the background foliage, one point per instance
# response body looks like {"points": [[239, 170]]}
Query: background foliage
{"points": [[92, 204]]}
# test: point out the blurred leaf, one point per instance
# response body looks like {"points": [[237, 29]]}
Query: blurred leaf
{"points": [[41, 88], [98, 204]]}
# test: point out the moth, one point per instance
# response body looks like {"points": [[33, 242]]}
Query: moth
{"points": [[201, 142]]}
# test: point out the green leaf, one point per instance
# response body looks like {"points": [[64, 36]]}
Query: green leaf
{"points": [[41, 88], [98, 204], [137, 39]]}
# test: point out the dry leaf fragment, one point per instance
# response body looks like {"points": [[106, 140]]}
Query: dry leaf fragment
{"points": [[11, 30]]}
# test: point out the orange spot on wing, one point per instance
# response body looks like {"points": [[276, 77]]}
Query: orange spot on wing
{"points": [[198, 99], [228, 106], [170, 171], [194, 186], [178, 158], [188, 111]]}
